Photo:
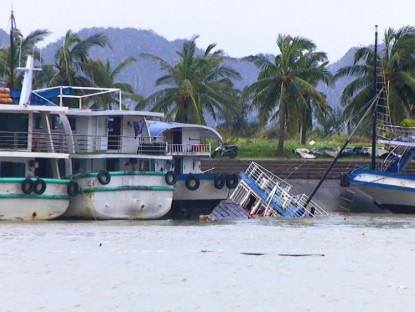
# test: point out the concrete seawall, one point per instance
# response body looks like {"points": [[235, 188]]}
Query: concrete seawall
{"points": [[304, 176]]}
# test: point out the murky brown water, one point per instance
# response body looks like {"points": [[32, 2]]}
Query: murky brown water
{"points": [[339, 263]]}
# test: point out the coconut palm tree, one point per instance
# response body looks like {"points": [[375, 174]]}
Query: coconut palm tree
{"points": [[195, 84], [396, 76], [70, 59], [285, 87], [101, 75], [21, 47]]}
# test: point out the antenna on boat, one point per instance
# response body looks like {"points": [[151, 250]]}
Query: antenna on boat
{"points": [[12, 28], [375, 107]]}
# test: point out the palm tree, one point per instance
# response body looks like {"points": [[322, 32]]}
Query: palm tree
{"points": [[21, 47], [285, 87], [101, 75], [396, 69], [70, 59], [196, 84]]}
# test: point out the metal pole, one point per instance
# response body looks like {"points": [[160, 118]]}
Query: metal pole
{"points": [[341, 150], [375, 108], [12, 27]]}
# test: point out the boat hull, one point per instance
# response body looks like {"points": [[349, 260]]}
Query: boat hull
{"points": [[395, 192], [190, 204], [128, 196], [16, 205]]}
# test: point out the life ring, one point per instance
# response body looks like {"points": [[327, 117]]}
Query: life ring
{"points": [[170, 177], [219, 181], [192, 182], [72, 188], [34, 143], [344, 179], [104, 177], [39, 186], [232, 181], [27, 186]]}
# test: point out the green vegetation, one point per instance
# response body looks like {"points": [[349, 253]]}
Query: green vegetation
{"points": [[194, 85]]}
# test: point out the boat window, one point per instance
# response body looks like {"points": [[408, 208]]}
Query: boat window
{"points": [[14, 122], [12, 169]]}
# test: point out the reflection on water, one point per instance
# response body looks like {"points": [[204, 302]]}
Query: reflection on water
{"points": [[338, 263]]}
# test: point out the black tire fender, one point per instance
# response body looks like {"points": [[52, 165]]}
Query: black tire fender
{"points": [[72, 188], [104, 177], [170, 177], [39, 186], [219, 181], [232, 180], [27, 186], [192, 182]]}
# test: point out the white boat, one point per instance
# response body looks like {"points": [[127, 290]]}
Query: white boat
{"points": [[33, 157], [262, 193], [389, 186], [196, 192], [118, 166]]}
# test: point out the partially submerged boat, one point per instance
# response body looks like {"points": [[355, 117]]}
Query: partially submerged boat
{"points": [[262, 193]]}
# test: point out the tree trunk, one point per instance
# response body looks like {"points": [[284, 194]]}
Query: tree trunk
{"points": [[281, 135], [303, 133]]}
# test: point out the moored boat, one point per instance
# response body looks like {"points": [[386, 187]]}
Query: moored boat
{"points": [[389, 185], [196, 192], [33, 157], [117, 165]]}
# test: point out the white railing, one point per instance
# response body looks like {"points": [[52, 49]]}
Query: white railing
{"points": [[152, 145], [33, 141], [188, 149], [265, 178], [398, 133]]}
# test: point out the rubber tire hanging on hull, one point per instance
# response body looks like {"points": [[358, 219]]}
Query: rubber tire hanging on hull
{"points": [[104, 177], [219, 181], [72, 188], [170, 177], [232, 181], [192, 182], [27, 186], [39, 186]]}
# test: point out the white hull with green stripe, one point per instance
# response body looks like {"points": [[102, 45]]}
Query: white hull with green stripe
{"points": [[128, 195], [17, 205]]}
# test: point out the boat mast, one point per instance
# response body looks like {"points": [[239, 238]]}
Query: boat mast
{"points": [[12, 28], [375, 107]]}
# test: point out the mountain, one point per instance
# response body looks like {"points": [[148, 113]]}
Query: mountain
{"points": [[141, 75]]}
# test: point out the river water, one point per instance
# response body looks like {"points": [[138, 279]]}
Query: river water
{"points": [[336, 263]]}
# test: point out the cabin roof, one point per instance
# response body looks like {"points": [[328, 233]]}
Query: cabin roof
{"points": [[92, 112], [157, 128]]}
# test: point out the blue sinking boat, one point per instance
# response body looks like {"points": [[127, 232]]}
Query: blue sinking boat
{"points": [[262, 193]]}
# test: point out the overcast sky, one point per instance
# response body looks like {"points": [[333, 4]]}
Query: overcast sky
{"points": [[239, 27]]}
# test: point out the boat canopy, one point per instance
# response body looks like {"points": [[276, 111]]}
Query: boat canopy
{"points": [[157, 128]]}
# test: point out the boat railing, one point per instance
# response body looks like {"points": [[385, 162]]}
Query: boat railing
{"points": [[55, 142], [312, 207], [151, 145], [189, 149], [264, 178], [398, 133]]}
